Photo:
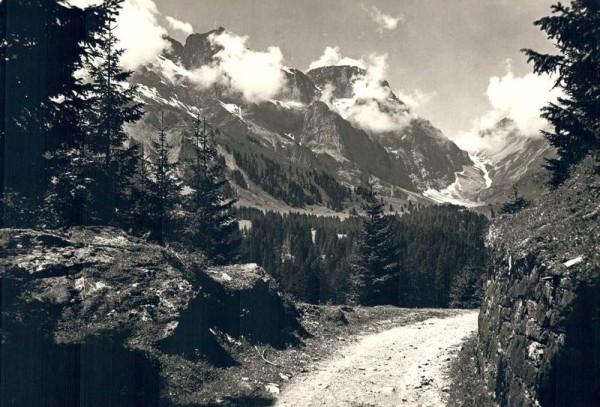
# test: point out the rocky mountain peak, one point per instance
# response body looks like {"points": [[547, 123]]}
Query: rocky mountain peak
{"points": [[175, 52], [199, 50], [339, 77], [298, 87]]}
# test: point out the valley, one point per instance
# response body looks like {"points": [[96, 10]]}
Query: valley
{"points": [[314, 125], [193, 215]]}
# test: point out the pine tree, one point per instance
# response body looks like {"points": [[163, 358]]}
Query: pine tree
{"points": [[42, 111], [516, 203], [162, 188], [210, 226], [575, 118], [112, 104], [376, 268], [467, 288], [137, 219]]}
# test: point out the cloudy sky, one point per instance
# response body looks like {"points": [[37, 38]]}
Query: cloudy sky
{"points": [[442, 55], [455, 63]]}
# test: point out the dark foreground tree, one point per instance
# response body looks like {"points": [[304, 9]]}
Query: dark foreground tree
{"points": [[376, 268], [575, 29], [162, 187], [40, 45], [210, 226], [112, 104]]}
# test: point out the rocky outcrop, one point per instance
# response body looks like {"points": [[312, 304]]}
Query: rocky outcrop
{"points": [[340, 78], [92, 316], [539, 326], [298, 87], [199, 49]]}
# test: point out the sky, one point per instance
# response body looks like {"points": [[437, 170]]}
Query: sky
{"points": [[456, 63], [441, 55]]}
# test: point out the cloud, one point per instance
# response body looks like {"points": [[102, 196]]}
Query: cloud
{"points": [[383, 21], [332, 56], [139, 33], [137, 30], [179, 25], [519, 99], [373, 107], [416, 98], [257, 75]]}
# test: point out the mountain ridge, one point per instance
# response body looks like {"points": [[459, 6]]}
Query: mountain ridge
{"points": [[335, 120]]}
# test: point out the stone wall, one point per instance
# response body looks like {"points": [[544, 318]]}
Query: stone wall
{"points": [[539, 326]]}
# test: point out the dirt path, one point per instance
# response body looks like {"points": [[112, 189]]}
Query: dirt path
{"points": [[401, 366]]}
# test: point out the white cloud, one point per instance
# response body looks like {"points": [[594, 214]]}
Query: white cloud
{"points": [[179, 25], [372, 107], [332, 56], [383, 21], [416, 98], [517, 98], [137, 29], [139, 33], [257, 75]]}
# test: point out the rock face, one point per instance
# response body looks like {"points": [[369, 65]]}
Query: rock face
{"points": [[520, 161], [92, 316], [539, 326], [294, 132], [199, 50]]}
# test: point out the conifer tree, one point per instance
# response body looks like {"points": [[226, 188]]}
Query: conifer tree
{"points": [[515, 204], [40, 121], [575, 30], [112, 104], [376, 267], [162, 187], [138, 217], [210, 226]]}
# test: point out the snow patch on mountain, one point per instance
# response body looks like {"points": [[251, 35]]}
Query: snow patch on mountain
{"points": [[468, 183], [233, 109], [288, 104], [482, 163]]}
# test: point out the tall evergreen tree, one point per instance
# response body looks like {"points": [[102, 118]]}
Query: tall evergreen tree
{"points": [[162, 187], [575, 118], [376, 268], [210, 225], [137, 217], [112, 104], [40, 44]]}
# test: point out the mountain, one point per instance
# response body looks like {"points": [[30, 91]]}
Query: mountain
{"points": [[315, 142], [512, 159]]}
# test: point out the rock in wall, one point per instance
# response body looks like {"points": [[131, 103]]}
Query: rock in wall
{"points": [[539, 326]]}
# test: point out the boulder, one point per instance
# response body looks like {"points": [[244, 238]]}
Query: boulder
{"points": [[93, 316]]}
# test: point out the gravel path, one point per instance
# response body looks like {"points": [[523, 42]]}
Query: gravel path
{"points": [[405, 365]]}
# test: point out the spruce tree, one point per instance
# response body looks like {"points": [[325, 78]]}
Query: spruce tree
{"points": [[40, 120], [575, 118], [112, 104], [515, 204], [162, 188], [138, 216], [376, 268], [210, 226]]}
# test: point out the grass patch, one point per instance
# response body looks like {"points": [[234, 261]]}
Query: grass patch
{"points": [[467, 389]]}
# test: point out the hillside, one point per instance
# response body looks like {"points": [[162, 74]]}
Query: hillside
{"points": [[307, 146], [539, 326], [92, 316], [509, 158]]}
